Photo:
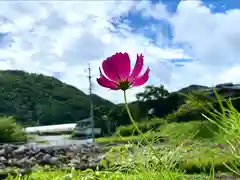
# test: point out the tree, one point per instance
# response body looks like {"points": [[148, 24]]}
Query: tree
{"points": [[34, 99], [153, 93]]}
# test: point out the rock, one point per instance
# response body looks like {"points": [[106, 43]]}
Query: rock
{"points": [[3, 160], [2, 152], [27, 157], [84, 151], [54, 161], [20, 150], [39, 156], [46, 159], [13, 162], [75, 161], [25, 163], [2, 166], [81, 166], [30, 153], [33, 160], [62, 158], [8, 148], [48, 150], [49, 160], [25, 171], [94, 149], [35, 150]]}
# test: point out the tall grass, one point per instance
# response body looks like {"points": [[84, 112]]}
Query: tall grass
{"points": [[227, 123], [137, 162]]}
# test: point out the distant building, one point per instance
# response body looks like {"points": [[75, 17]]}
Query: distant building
{"points": [[82, 127], [51, 128], [226, 90]]}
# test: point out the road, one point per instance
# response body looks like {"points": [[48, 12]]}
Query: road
{"points": [[59, 140]]}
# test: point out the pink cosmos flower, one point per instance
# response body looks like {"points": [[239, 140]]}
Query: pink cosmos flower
{"points": [[118, 74]]}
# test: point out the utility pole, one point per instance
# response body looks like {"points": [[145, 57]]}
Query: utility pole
{"points": [[91, 101]]}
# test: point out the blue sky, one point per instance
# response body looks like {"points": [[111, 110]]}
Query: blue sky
{"points": [[183, 42]]}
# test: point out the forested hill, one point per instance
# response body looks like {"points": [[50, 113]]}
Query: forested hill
{"points": [[32, 98]]}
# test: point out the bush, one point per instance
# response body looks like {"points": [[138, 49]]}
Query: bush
{"points": [[203, 160], [178, 131], [143, 126], [10, 131]]}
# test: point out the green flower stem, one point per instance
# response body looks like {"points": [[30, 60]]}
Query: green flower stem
{"points": [[136, 127]]}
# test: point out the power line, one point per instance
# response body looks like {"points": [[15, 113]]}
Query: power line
{"points": [[91, 101]]}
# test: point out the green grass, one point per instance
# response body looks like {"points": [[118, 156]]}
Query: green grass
{"points": [[192, 149], [145, 126], [151, 136], [178, 131], [107, 175], [175, 131], [142, 165]]}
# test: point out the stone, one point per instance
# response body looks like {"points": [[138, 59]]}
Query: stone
{"points": [[39, 156], [8, 148], [28, 157], [2, 166], [46, 159], [3, 160], [2, 152], [25, 171], [25, 163], [33, 160], [13, 162], [20, 150], [54, 161], [75, 161]]}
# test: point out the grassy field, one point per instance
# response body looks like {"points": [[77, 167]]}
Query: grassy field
{"points": [[186, 161], [167, 132], [107, 175], [194, 150], [130, 139]]}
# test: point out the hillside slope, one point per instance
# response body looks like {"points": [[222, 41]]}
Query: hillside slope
{"points": [[32, 99]]}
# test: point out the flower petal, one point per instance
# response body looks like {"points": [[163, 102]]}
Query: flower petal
{"points": [[103, 81], [123, 65], [110, 70], [137, 68], [141, 79]]}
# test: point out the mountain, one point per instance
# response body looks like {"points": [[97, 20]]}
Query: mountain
{"points": [[37, 99], [192, 88]]}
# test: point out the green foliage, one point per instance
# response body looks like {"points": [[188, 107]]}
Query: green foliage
{"points": [[153, 93], [41, 100], [56, 174], [33, 99], [10, 131], [151, 136], [198, 129], [118, 116], [203, 159], [144, 126]]}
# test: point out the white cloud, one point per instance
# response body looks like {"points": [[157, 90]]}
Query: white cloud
{"points": [[149, 10], [214, 37], [65, 36], [214, 40]]}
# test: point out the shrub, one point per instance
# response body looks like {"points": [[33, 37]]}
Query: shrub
{"points": [[203, 160], [177, 131], [10, 131], [151, 125]]}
